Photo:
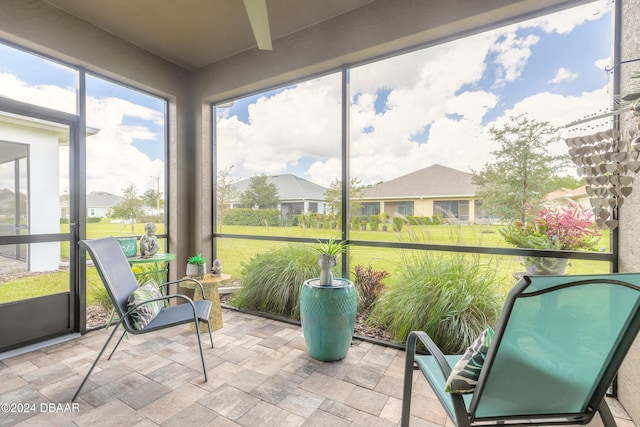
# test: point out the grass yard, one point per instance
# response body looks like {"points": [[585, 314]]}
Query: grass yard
{"points": [[234, 252]]}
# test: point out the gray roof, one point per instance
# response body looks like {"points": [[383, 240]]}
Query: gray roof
{"points": [[290, 187], [102, 199], [432, 182]]}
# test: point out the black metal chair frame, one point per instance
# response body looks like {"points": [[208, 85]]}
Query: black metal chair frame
{"points": [[115, 272]]}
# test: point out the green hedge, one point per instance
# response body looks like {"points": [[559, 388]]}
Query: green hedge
{"points": [[425, 220], [418, 220], [90, 220], [246, 216]]}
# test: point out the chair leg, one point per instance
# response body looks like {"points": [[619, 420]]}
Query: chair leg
{"points": [[605, 414], [117, 344], [409, 359], [204, 368], [210, 335], [95, 362], [406, 392]]}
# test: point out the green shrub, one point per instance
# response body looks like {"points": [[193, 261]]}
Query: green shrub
{"points": [[143, 219], [398, 222], [419, 220], [100, 296], [255, 217], [374, 222], [368, 283], [271, 280], [93, 220], [292, 220], [355, 223], [64, 220], [453, 298]]}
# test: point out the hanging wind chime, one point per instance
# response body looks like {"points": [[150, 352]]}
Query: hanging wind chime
{"points": [[609, 164]]}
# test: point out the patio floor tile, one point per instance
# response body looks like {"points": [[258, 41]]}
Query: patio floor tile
{"points": [[259, 375]]}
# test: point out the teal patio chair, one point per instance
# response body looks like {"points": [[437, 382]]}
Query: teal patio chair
{"points": [[120, 283], [557, 347]]}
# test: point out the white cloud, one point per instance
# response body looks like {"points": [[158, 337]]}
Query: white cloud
{"points": [[563, 75], [512, 54], [50, 96], [430, 93], [604, 63], [561, 111], [396, 105], [567, 20], [300, 122], [113, 162]]}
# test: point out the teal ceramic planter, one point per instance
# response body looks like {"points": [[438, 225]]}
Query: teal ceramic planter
{"points": [[328, 316], [129, 246]]}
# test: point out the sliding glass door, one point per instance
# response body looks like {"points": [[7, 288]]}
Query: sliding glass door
{"points": [[38, 225]]}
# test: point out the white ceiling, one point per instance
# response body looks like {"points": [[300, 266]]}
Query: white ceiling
{"points": [[195, 33]]}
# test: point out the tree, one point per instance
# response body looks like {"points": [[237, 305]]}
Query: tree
{"points": [[130, 207], [151, 198], [518, 179], [260, 194], [226, 192], [333, 195], [558, 182]]}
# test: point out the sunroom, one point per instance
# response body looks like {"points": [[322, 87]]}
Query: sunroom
{"points": [[170, 99]]}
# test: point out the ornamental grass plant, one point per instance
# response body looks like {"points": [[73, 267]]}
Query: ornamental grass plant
{"points": [[271, 280], [453, 298]]}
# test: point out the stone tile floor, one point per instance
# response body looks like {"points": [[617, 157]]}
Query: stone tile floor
{"points": [[259, 375]]}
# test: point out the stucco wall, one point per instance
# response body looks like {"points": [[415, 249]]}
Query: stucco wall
{"points": [[629, 375], [43, 205]]}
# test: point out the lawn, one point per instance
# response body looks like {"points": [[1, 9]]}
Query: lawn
{"points": [[234, 252]]}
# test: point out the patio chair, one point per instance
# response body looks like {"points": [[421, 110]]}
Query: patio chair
{"points": [[120, 283], [557, 346]]}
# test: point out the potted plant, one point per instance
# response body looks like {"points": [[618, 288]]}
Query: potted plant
{"points": [[196, 266], [383, 220], [572, 228], [328, 307]]}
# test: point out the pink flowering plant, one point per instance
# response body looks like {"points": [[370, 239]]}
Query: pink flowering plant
{"points": [[572, 228]]}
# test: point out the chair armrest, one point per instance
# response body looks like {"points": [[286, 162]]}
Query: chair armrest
{"points": [[166, 297], [433, 350], [186, 279], [459, 407]]}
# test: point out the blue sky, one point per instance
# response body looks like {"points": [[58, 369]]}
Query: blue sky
{"points": [[430, 106], [130, 123], [408, 112]]}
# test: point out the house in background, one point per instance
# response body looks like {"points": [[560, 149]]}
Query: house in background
{"points": [[564, 196], [434, 190], [29, 155], [297, 195], [100, 204]]}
